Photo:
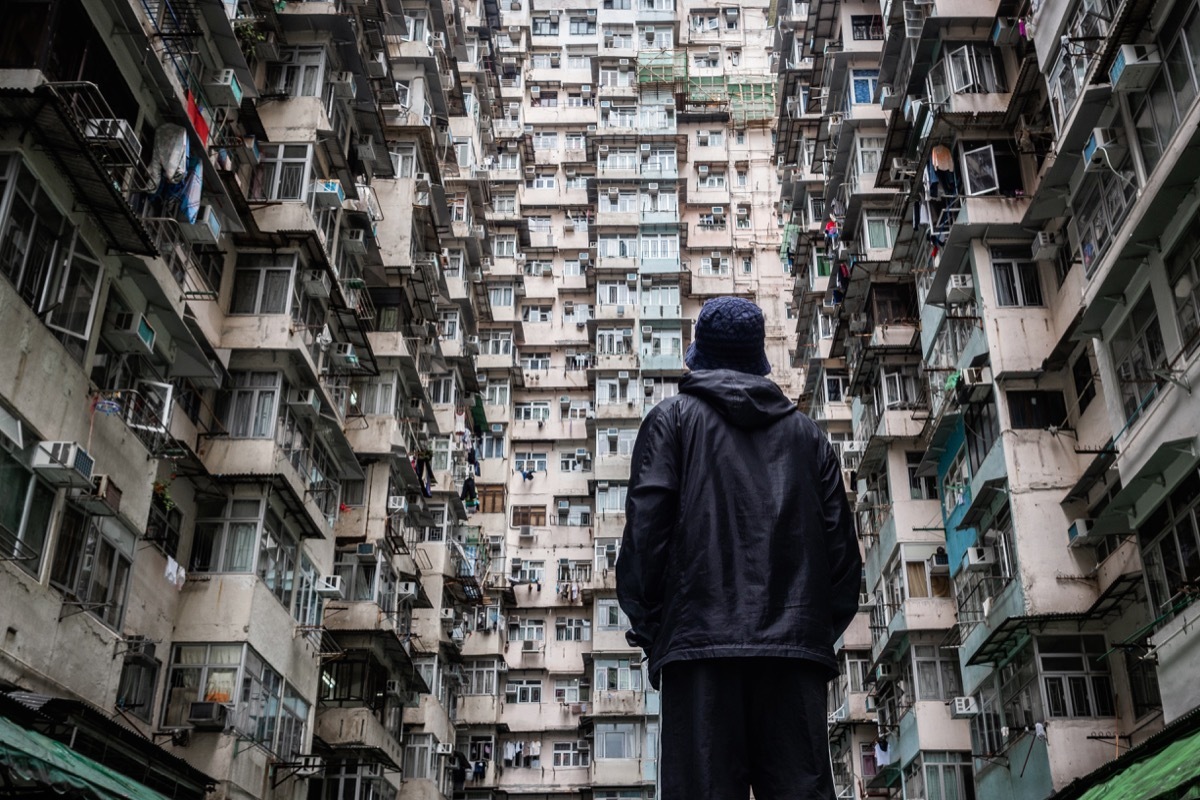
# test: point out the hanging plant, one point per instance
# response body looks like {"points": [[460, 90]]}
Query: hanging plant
{"points": [[162, 493]]}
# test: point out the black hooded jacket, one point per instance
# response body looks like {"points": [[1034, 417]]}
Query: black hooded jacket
{"points": [[738, 536]]}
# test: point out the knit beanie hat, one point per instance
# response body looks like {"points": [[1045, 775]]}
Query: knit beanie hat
{"points": [[730, 334]]}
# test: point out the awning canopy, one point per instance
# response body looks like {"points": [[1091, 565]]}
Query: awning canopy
{"points": [[40, 761]]}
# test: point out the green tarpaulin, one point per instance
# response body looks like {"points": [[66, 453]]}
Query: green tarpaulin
{"points": [[1173, 772], [45, 762]]}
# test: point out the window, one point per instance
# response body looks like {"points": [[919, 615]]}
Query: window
{"points": [[1075, 676], [530, 462], [864, 83], [1170, 549], [92, 562], [163, 526], [1037, 409], [616, 740], [1017, 282], [570, 754], [878, 229], [582, 26], [283, 172], [263, 283], [544, 26], [248, 410], [501, 296], [135, 692], [504, 246], [265, 708], [573, 629], [527, 630], [1183, 274], [492, 445], [1137, 353], [480, 676], [528, 690], [869, 151], [611, 499], [979, 170], [418, 755], [618, 674], [25, 505], [537, 313], [920, 488], [982, 421], [955, 482], [610, 617], [299, 72], [531, 411], [528, 515], [974, 68], [535, 361], [864, 27], [936, 673]]}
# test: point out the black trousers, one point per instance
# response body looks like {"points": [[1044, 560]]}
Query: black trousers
{"points": [[732, 724]]}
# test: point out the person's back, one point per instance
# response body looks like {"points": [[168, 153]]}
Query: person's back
{"points": [[738, 570]]}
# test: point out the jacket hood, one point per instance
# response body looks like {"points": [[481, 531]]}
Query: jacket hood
{"points": [[744, 400]]}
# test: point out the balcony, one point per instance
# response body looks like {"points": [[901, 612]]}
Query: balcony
{"points": [[619, 703], [913, 614], [97, 153]]}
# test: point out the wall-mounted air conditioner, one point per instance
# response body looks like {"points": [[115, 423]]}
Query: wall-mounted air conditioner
{"points": [[1134, 68], [397, 504], [224, 90], [102, 498], [964, 708], [330, 587], [980, 559], [366, 551], [345, 355], [208, 716], [960, 288], [354, 241], [63, 464], [206, 229], [132, 333], [304, 402], [406, 590], [1045, 246]]}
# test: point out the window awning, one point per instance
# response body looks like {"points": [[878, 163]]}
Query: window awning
{"points": [[1172, 772], [43, 762]]}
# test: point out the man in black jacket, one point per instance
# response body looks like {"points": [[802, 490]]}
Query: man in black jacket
{"points": [[739, 569]]}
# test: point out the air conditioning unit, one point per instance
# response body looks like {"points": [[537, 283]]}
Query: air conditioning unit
{"points": [[208, 716], [535, 91], [445, 748], [526, 532], [63, 464], [964, 708], [115, 133], [102, 499], [397, 504], [344, 354], [529, 646], [377, 67], [564, 506], [1134, 68], [343, 85], [702, 170], [354, 241], [406, 590], [224, 91], [1079, 532], [1045, 246], [366, 551], [743, 211], [328, 194], [317, 283], [884, 670], [497, 428], [976, 376], [329, 587], [939, 563], [206, 229], [304, 402], [623, 376], [718, 211], [647, 331], [1104, 149], [865, 601], [979, 559], [902, 168], [714, 50], [394, 688], [448, 615], [960, 289], [132, 333], [652, 188]]}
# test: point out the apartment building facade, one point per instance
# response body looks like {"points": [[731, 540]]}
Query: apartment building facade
{"points": [[333, 324], [999, 335]]}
